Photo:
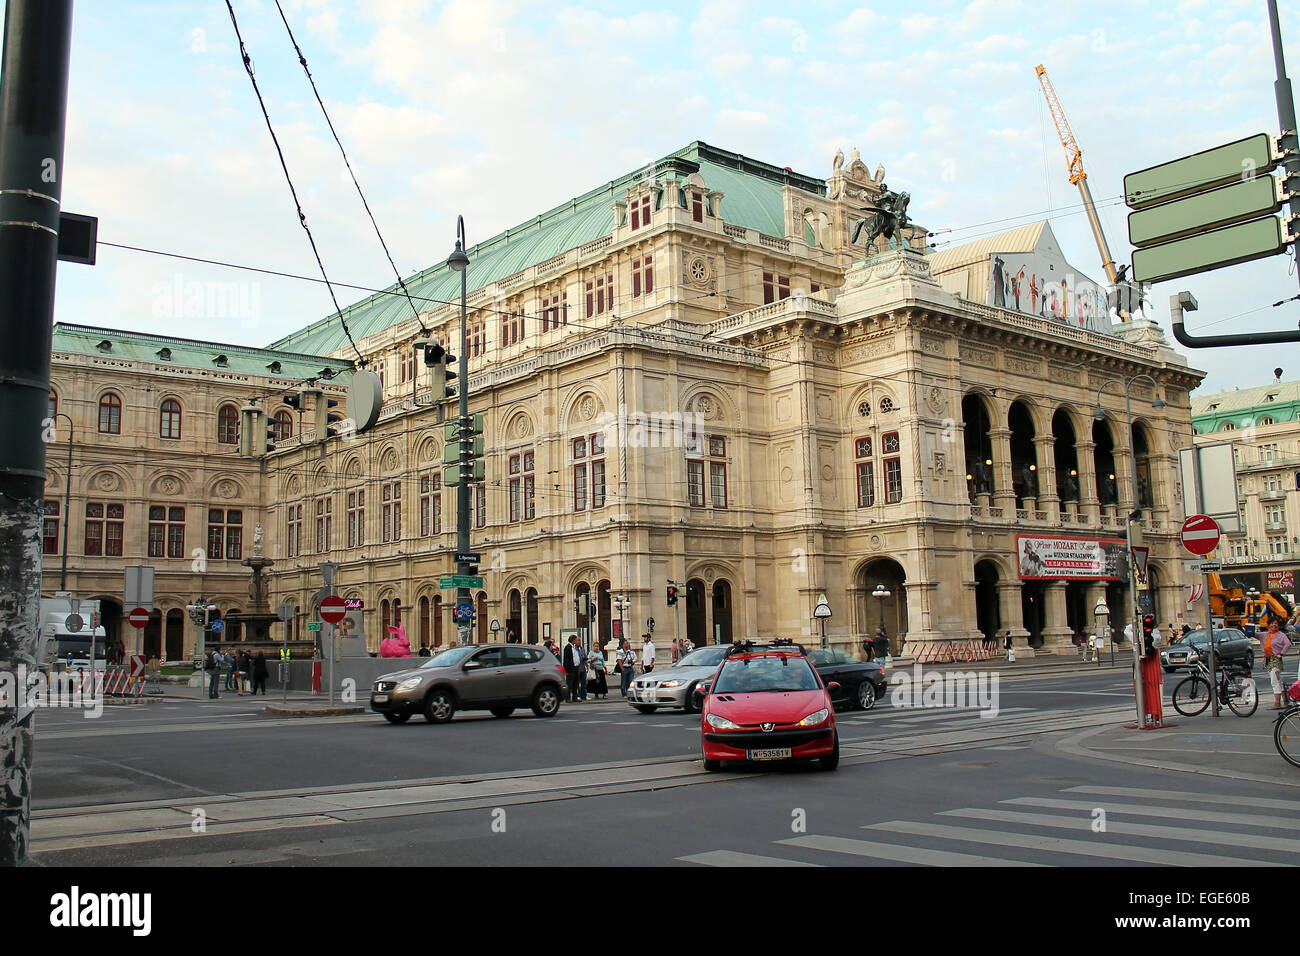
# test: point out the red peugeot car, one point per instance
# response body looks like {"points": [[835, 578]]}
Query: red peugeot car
{"points": [[767, 702]]}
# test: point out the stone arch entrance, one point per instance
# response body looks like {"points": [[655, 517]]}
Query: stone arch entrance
{"points": [[988, 617], [889, 612], [1033, 608], [721, 630], [1024, 454], [696, 615], [977, 423]]}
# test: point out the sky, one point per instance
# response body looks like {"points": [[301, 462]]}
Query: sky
{"points": [[500, 109]]}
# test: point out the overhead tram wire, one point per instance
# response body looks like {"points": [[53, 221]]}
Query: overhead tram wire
{"points": [[328, 122], [302, 217]]}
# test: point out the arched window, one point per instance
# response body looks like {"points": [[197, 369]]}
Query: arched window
{"points": [[227, 425], [283, 425], [110, 414], [169, 419]]}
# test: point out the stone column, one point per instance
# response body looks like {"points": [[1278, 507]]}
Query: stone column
{"points": [[1056, 629], [1013, 618], [1089, 503], [1004, 492], [1124, 478], [1047, 496]]}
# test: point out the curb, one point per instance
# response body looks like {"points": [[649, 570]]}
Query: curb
{"points": [[283, 710]]}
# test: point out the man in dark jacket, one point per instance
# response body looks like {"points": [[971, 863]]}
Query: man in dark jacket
{"points": [[881, 644], [574, 669], [259, 673]]}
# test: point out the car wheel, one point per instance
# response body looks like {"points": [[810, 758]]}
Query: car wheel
{"points": [[866, 695], [831, 760], [502, 711], [439, 706], [688, 707], [646, 708], [546, 701], [397, 716], [712, 765]]}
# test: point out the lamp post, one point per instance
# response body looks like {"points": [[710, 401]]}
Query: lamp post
{"points": [[1101, 615], [880, 593], [1100, 414], [621, 603], [460, 262], [67, 505]]}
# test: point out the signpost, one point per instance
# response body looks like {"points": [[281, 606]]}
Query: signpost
{"points": [[820, 613], [1200, 535], [139, 618], [459, 581], [138, 586]]}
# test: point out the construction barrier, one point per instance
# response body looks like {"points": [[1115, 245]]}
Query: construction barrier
{"points": [[1153, 688], [953, 652], [118, 682]]}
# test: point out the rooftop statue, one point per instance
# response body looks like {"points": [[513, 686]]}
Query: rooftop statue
{"points": [[888, 218]]}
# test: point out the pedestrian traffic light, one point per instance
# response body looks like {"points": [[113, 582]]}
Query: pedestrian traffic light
{"points": [[1148, 634], [439, 360], [672, 595]]}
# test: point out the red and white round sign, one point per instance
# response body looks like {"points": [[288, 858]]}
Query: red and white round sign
{"points": [[1200, 534], [139, 617], [332, 609]]}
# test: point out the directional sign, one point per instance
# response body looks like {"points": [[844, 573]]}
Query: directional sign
{"points": [[1206, 251], [138, 618], [333, 609], [1198, 172], [1200, 534], [313, 625], [459, 581], [137, 665], [468, 557], [1243, 200]]}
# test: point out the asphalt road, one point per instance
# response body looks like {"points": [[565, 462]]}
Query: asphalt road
{"points": [[601, 784]]}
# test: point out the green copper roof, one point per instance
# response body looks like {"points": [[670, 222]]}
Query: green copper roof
{"points": [[189, 353], [1244, 407], [752, 198]]}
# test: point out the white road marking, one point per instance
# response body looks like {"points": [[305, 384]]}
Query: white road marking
{"points": [[899, 854], [1140, 810], [733, 858], [1264, 802]]}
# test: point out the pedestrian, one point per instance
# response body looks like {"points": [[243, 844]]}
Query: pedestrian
{"points": [[424, 650], [687, 646], [599, 686], [572, 666], [510, 636], [1276, 643], [259, 673], [647, 653], [626, 665], [213, 666], [868, 649], [228, 662], [245, 662], [881, 643]]}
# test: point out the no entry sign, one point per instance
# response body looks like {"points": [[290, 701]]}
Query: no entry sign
{"points": [[139, 617], [333, 609], [1200, 534]]}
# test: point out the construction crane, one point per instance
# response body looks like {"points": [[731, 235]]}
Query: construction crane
{"points": [[1079, 178]]}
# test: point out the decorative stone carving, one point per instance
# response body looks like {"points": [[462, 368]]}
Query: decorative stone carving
{"points": [[783, 408], [876, 347], [978, 356], [709, 575], [934, 346], [875, 543], [940, 464], [227, 489], [699, 270], [787, 474], [587, 408], [168, 485], [389, 461], [934, 398], [107, 481], [522, 427], [1023, 363]]}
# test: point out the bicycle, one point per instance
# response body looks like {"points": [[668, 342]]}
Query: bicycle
{"points": [[1192, 694], [1286, 734]]}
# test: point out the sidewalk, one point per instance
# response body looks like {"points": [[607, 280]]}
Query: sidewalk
{"points": [[1057, 663], [1228, 746]]}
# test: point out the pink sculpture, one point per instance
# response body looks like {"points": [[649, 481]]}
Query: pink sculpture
{"points": [[396, 646]]}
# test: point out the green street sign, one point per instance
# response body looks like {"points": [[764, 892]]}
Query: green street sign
{"points": [[1209, 250], [459, 581], [1243, 200], [313, 625], [1245, 158]]}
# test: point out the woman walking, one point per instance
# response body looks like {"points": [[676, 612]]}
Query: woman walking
{"points": [[596, 662], [1276, 644], [626, 665]]}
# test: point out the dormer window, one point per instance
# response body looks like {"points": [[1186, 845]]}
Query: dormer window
{"points": [[641, 212], [221, 361], [165, 354], [274, 368], [105, 346]]}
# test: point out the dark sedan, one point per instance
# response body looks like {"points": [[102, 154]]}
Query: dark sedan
{"points": [[1231, 646], [861, 684]]}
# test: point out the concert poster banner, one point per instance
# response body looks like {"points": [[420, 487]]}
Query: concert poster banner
{"points": [[1071, 559]]}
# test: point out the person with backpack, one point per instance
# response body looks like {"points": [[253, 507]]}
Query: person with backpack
{"points": [[213, 666]]}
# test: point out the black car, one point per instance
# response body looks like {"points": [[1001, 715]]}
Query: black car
{"points": [[1231, 646], [861, 684]]}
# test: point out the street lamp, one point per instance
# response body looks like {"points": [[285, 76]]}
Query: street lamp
{"points": [[1100, 414], [460, 263], [621, 603], [880, 593], [1101, 614]]}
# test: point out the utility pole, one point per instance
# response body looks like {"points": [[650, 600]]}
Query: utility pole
{"points": [[459, 261], [1285, 113], [33, 114]]}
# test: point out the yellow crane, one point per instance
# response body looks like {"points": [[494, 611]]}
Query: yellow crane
{"points": [[1079, 178]]}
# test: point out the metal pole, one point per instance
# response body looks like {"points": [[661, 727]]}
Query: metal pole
{"points": [[1209, 617], [33, 111], [1140, 691], [67, 506], [466, 443], [1285, 110], [333, 628]]}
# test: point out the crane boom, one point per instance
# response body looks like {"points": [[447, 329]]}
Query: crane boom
{"points": [[1077, 176]]}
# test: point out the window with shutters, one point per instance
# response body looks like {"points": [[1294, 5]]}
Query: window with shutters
{"points": [[640, 212]]}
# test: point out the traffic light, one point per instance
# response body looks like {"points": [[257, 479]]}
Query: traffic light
{"points": [[1148, 634], [440, 361], [271, 436], [672, 595]]}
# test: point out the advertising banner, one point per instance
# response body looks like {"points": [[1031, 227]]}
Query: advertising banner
{"points": [[1281, 580], [1071, 559]]}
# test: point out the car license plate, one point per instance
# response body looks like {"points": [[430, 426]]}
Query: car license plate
{"points": [[775, 754], [379, 699]]}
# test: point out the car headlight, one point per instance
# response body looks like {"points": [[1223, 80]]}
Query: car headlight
{"points": [[671, 683], [813, 719], [720, 723], [410, 683]]}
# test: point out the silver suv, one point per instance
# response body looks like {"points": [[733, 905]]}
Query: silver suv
{"points": [[493, 677]]}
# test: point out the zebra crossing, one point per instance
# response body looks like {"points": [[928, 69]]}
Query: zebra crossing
{"points": [[1088, 826]]}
